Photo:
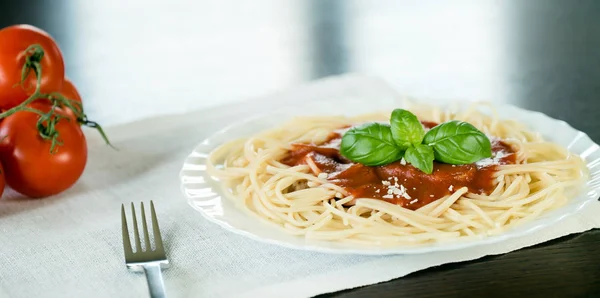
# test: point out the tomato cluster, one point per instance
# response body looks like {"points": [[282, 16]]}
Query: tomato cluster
{"points": [[43, 150]]}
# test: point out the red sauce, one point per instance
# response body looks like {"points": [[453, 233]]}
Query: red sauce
{"points": [[399, 183]]}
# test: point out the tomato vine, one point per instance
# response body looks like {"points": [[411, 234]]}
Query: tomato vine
{"points": [[46, 124]]}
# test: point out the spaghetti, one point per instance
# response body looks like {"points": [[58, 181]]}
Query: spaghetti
{"points": [[276, 176]]}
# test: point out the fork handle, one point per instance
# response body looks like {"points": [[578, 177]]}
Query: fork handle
{"points": [[156, 285]]}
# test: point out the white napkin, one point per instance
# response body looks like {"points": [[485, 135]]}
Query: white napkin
{"points": [[70, 245]]}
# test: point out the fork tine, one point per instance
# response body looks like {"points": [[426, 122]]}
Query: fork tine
{"points": [[145, 229], [136, 232], [157, 237], [126, 240]]}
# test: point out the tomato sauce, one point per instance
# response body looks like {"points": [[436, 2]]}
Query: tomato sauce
{"points": [[399, 182]]}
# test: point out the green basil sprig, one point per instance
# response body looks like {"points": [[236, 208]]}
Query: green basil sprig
{"points": [[406, 128], [456, 142], [452, 142], [421, 157], [370, 144]]}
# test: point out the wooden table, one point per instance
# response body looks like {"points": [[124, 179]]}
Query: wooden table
{"points": [[565, 267], [541, 55]]}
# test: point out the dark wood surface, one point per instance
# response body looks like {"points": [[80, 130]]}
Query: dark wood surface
{"points": [[540, 55], [565, 267]]}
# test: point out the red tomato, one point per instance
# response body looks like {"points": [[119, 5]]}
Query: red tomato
{"points": [[69, 91], [1, 180], [14, 40], [30, 167]]}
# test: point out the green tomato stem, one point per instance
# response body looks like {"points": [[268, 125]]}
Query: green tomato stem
{"points": [[47, 122]]}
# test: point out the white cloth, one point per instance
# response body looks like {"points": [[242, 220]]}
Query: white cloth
{"points": [[70, 245]]}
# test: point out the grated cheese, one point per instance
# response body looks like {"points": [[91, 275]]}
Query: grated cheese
{"points": [[492, 138], [396, 190], [494, 160]]}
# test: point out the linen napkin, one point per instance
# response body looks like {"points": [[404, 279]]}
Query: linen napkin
{"points": [[70, 245]]}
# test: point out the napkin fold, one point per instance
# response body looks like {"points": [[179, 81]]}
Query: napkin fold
{"points": [[70, 245]]}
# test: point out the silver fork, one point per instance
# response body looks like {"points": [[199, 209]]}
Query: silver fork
{"points": [[151, 261]]}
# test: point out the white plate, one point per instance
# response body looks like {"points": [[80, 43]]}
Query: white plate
{"points": [[203, 192]]}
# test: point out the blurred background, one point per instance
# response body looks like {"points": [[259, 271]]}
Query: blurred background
{"points": [[137, 58]]}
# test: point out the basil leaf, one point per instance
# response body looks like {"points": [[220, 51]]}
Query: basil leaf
{"points": [[370, 144], [457, 142], [406, 128], [421, 157]]}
